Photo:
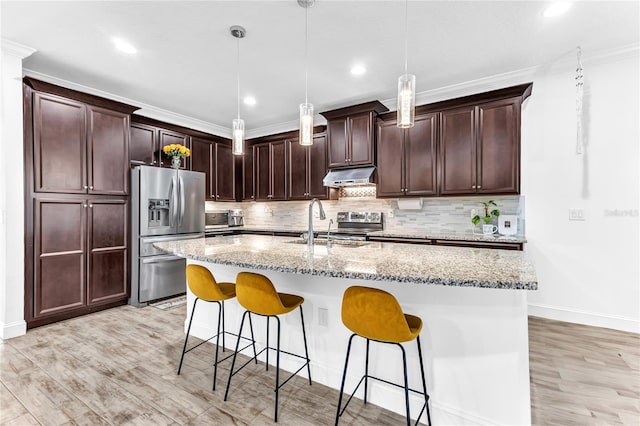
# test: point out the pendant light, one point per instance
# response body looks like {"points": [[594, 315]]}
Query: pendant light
{"points": [[237, 135], [406, 87], [306, 109]]}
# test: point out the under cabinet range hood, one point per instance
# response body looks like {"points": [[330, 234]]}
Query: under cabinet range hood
{"points": [[348, 177]]}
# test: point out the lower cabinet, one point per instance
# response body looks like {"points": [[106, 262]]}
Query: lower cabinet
{"points": [[80, 256]]}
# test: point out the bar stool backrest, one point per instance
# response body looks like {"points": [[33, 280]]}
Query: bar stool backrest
{"points": [[202, 283], [376, 314], [256, 293]]}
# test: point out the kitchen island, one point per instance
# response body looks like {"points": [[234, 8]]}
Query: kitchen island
{"points": [[472, 301]]}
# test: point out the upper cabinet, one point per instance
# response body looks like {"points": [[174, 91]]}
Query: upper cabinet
{"points": [[407, 158], [248, 192], [307, 167], [480, 149], [216, 161], [147, 139], [351, 134], [78, 148], [270, 163]]}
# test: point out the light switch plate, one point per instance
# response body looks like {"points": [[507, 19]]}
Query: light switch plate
{"points": [[576, 214]]}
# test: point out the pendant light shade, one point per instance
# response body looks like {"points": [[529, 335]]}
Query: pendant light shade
{"points": [[406, 87], [237, 132], [306, 109], [237, 138], [306, 124], [406, 100]]}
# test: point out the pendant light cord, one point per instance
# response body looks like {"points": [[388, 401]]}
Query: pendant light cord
{"points": [[306, 56], [406, 36], [238, 74]]}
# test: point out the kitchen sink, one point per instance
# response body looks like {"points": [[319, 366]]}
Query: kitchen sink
{"points": [[341, 243]]}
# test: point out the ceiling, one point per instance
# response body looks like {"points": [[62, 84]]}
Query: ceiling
{"points": [[186, 60]]}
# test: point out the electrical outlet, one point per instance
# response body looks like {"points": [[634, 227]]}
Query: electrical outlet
{"points": [[576, 214], [390, 213], [473, 213], [323, 317]]}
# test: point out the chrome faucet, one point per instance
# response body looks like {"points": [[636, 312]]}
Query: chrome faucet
{"points": [[329, 233], [322, 217]]}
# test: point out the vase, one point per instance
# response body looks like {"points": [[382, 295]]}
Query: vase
{"points": [[176, 162]]}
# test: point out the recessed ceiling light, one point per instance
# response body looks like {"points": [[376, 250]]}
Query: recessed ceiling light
{"points": [[124, 46], [358, 70], [556, 8], [250, 100]]}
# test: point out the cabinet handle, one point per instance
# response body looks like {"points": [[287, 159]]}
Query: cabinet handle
{"points": [[90, 206], [478, 187], [91, 187], [84, 205], [153, 162], [85, 187], [473, 187], [217, 196]]}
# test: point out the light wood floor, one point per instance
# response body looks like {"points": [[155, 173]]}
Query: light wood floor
{"points": [[118, 367]]}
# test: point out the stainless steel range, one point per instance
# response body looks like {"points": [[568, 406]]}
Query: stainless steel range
{"points": [[355, 225]]}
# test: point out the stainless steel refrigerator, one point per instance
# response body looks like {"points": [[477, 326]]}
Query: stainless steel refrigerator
{"points": [[166, 204]]}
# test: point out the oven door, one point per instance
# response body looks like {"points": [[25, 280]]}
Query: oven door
{"points": [[161, 276]]}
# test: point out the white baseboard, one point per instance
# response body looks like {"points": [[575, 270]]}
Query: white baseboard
{"points": [[13, 329], [583, 317]]}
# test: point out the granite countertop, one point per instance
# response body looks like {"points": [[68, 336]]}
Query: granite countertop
{"points": [[451, 235], [376, 261]]}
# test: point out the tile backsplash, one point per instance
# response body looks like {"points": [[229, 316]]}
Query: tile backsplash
{"points": [[442, 214]]}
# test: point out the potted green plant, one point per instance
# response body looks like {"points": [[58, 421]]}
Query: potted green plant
{"points": [[487, 228]]}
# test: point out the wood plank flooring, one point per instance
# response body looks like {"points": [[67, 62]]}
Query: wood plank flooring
{"points": [[118, 367]]}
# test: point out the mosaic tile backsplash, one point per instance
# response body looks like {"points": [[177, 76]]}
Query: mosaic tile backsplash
{"points": [[436, 215]]}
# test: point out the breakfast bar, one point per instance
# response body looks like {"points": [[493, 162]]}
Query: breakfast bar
{"points": [[473, 302]]}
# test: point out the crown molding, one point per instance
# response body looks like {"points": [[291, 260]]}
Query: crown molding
{"points": [[145, 110], [16, 49], [273, 129]]}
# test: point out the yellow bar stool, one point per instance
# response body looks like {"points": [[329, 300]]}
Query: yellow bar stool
{"points": [[257, 295], [376, 315], [204, 286]]}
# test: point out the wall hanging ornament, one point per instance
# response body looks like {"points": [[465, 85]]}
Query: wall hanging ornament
{"points": [[579, 97]]}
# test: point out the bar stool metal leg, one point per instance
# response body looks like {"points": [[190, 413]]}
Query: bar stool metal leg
{"points": [[275, 416], [267, 353], [344, 377], [220, 320], [406, 383], [424, 386], [366, 372], [186, 338], [235, 353]]}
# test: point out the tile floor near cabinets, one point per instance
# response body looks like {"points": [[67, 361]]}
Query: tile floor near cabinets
{"points": [[118, 367]]}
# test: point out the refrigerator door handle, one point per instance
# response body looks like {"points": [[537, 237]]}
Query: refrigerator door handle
{"points": [[182, 201], [173, 200]]}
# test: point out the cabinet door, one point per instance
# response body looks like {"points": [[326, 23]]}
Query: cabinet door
{"points": [[166, 137], [262, 162], [225, 173], [297, 171], [337, 133], [248, 193], [59, 256], [390, 164], [317, 168], [360, 152], [108, 144], [201, 155], [278, 171], [143, 147], [107, 251], [420, 157], [457, 151], [60, 134], [499, 147]]}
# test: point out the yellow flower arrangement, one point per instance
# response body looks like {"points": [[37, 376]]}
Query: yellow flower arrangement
{"points": [[176, 150]]}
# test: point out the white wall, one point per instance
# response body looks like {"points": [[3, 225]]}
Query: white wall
{"points": [[588, 270], [12, 321]]}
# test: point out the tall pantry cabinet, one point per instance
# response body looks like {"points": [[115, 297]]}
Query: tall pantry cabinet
{"points": [[76, 202]]}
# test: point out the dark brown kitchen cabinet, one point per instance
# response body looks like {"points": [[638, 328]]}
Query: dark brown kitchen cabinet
{"points": [[407, 158], [351, 134], [79, 148], [479, 151], [143, 148], [217, 162], [270, 171], [80, 256], [76, 215], [307, 167], [248, 191]]}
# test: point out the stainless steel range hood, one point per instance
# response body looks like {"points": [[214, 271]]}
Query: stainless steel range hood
{"points": [[349, 177]]}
